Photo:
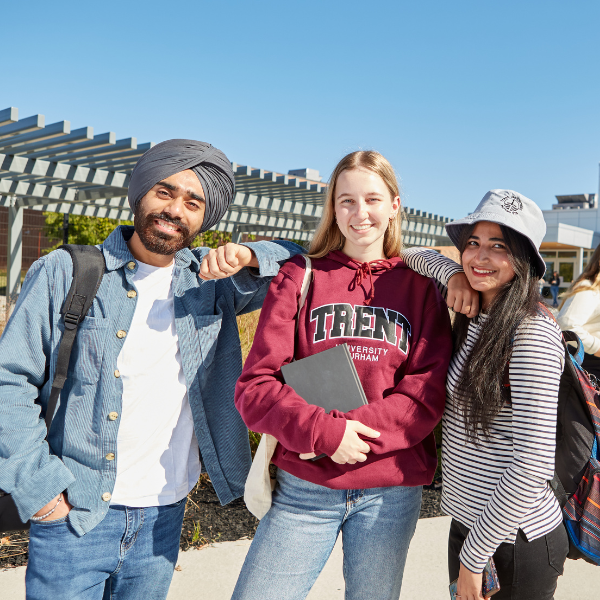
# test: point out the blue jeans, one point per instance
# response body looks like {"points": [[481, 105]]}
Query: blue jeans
{"points": [[129, 555], [554, 289], [295, 538]]}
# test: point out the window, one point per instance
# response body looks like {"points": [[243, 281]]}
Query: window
{"points": [[549, 270], [567, 254], [565, 270], [548, 254]]}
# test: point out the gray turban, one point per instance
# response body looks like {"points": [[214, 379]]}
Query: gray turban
{"points": [[211, 166]]}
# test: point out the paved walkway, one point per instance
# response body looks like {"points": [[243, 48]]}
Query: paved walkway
{"points": [[210, 574]]}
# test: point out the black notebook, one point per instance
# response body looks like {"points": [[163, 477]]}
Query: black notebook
{"points": [[328, 379]]}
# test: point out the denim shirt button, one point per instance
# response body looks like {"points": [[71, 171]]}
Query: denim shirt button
{"points": [[110, 456], [121, 334], [106, 496], [131, 294], [117, 373], [113, 416], [131, 265]]}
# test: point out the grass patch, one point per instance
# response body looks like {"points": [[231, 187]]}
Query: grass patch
{"points": [[247, 325]]}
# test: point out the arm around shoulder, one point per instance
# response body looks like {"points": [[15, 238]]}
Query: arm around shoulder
{"points": [[430, 263], [269, 257], [249, 279]]}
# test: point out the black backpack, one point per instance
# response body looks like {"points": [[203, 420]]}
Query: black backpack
{"points": [[577, 443], [88, 270], [576, 481]]}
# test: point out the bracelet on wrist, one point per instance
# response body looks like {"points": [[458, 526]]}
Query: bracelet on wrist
{"points": [[35, 519]]}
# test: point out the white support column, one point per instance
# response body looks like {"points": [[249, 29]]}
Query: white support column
{"points": [[236, 235], [597, 203], [578, 263], [14, 253]]}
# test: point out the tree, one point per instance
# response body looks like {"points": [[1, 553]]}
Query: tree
{"points": [[211, 239], [82, 230]]}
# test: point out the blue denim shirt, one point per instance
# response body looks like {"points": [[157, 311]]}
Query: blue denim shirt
{"points": [[84, 429]]}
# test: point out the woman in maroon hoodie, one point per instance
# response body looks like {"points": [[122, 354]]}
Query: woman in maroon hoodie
{"points": [[397, 328]]}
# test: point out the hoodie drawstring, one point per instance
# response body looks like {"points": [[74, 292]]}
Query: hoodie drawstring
{"points": [[365, 269]]}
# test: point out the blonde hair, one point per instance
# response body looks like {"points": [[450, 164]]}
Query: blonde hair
{"points": [[328, 236], [591, 273]]}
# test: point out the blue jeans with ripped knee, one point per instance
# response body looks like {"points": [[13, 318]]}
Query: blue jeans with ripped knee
{"points": [[296, 537]]}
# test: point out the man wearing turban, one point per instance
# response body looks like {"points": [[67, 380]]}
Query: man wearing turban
{"points": [[149, 396]]}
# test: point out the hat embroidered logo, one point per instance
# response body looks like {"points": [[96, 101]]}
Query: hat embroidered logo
{"points": [[512, 204]]}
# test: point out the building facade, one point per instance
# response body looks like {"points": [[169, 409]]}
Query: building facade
{"points": [[572, 234]]}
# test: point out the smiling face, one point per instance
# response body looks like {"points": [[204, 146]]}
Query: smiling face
{"points": [[170, 215], [363, 208], [485, 260]]}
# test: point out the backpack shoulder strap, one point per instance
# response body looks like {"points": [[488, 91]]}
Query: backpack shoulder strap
{"points": [[88, 269]]}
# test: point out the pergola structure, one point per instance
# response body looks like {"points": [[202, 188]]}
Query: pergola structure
{"points": [[51, 168]]}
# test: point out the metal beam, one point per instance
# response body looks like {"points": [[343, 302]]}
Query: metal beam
{"points": [[9, 115], [91, 146], [39, 193], [289, 234], [51, 131], [22, 126], [21, 165], [259, 204], [254, 220], [125, 144], [236, 235], [85, 133], [86, 210], [122, 154]]}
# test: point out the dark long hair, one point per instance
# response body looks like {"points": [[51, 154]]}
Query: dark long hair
{"points": [[479, 391]]}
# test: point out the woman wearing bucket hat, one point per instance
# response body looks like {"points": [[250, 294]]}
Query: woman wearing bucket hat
{"points": [[499, 424]]}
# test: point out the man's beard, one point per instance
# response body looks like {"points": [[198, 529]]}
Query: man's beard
{"points": [[157, 241]]}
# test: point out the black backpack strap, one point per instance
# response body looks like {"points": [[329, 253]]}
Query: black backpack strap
{"points": [[559, 490], [88, 269]]}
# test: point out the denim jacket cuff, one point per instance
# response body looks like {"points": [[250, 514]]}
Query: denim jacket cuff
{"points": [[270, 256], [41, 487]]}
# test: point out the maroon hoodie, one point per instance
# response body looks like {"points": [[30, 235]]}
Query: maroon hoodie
{"points": [[396, 325]]}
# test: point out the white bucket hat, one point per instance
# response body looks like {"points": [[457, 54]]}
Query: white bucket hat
{"points": [[510, 209]]}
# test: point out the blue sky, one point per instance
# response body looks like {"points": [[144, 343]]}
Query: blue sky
{"points": [[460, 96]]}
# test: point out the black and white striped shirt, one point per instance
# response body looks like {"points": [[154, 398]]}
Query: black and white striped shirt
{"points": [[501, 485]]}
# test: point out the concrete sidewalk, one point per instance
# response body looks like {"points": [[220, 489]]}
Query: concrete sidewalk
{"points": [[211, 573]]}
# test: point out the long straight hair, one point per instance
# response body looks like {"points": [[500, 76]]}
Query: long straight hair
{"points": [[479, 389], [590, 274], [328, 236]]}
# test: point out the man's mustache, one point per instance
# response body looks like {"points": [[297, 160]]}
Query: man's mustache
{"points": [[185, 230]]}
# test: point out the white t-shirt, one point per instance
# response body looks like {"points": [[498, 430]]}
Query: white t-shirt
{"points": [[157, 451]]}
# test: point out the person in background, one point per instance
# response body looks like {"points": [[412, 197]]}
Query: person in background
{"points": [[368, 486], [580, 312], [555, 282], [502, 395]]}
